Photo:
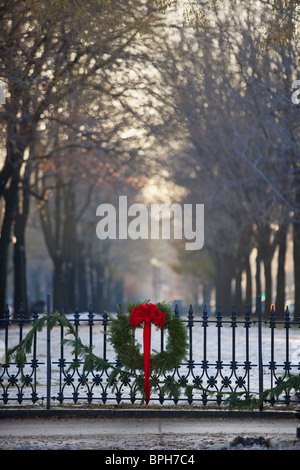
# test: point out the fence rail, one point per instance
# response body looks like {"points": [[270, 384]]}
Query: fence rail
{"points": [[236, 353]]}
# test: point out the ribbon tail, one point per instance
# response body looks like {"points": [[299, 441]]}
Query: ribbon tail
{"points": [[147, 350]]}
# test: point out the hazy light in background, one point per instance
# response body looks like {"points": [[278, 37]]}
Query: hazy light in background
{"points": [[160, 190]]}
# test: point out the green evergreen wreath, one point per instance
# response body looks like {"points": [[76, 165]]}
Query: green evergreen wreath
{"points": [[129, 350]]}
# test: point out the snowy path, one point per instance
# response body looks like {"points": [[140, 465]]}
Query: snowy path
{"points": [[148, 434], [198, 352]]}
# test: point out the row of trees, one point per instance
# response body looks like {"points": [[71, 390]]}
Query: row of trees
{"points": [[72, 72], [102, 96]]}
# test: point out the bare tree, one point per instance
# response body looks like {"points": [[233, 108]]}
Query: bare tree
{"points": [[233, 102]]}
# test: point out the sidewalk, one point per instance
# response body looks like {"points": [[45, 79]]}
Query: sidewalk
{"points": [[125, 429]]}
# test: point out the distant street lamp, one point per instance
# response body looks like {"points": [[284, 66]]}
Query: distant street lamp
{"points": [[155, 277]]}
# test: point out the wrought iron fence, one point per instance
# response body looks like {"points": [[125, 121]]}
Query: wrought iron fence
{"points": [[237, 353]]}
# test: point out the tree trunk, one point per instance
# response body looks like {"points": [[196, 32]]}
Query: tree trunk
{"points": [[20, 279], [70, 292], [238, 300], [280, 288], [207, 287], [92, 283], [258, 274], [19, 134], [223, 283], [10, 196], [20, 285], [81, 279], [266, 247], [100, 287], [296, 256], [268, 285], [58, 283], [248, 283]]}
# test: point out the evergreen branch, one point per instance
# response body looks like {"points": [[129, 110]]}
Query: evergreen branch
{"points": [[235, 398]]}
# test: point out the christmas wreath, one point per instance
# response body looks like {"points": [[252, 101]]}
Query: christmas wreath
{"points": [[129, 350]]}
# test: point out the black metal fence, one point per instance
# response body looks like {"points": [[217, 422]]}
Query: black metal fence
{"points": [[235, 353]]}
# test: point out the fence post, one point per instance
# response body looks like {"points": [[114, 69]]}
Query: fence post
{"points": [[48, 356], [260, 360]]}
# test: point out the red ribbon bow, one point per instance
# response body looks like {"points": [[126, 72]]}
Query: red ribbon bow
{"points": [[147, 313]]}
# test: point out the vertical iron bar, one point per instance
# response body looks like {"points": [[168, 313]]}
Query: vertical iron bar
{"points": [[91, 323], [219, 326], [191, 324], [191, 361], [287, 326], [61, 359], [48, 355], [272, 326], [219, 361], [233, 326], [204, 361], [80, 377], [21, 322], [260, 361], [6, 324], [104, 323], [205, 326]]}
